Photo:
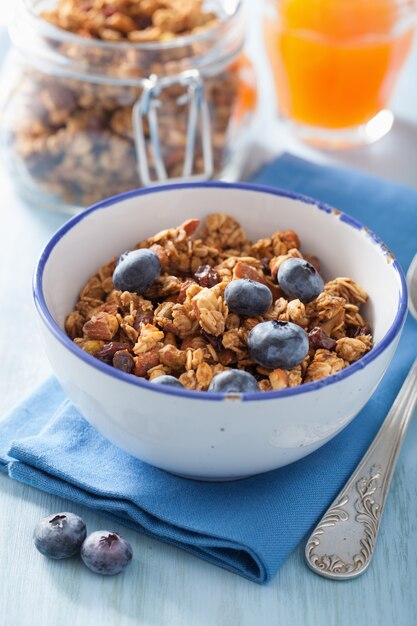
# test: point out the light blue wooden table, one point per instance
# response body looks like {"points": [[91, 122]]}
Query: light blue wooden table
{"points": [[165, 586]]}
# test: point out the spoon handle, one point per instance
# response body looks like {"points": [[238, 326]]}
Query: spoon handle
{"points": [[342, 544]]}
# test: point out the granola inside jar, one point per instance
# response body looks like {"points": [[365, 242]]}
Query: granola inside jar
{"points": [[95, 105]]}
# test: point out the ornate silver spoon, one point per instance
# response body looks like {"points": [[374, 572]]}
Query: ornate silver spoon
{"points": [[342, 544]]}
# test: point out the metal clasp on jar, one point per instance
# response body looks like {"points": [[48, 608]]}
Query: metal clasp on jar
{"points": [[198, 121]]}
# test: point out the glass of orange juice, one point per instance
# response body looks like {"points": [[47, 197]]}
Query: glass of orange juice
{"points": [[335, 64]]}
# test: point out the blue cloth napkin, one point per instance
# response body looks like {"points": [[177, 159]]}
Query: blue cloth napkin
{"points": [[250, 526]]}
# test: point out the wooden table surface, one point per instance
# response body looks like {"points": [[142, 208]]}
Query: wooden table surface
{"points": [[166, 586]]}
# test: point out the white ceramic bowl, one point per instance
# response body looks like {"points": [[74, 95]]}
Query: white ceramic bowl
{"points": [[199, 434]]}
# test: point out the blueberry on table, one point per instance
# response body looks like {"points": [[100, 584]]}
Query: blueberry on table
{"points": [[235, 381], [59, 536], [278, 344], [136, 271], [105, 552], [247, 297], [299, 279], [171, 381]]}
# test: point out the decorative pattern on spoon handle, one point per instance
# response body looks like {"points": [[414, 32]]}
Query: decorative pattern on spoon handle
{"points": [[342, 544]]}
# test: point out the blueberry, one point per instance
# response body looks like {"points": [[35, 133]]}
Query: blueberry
{"points": [[136, 271], [236, 381], [59, 536], [105, 552], [278, 344], [171, 381], [299, 279], [247, 297]]}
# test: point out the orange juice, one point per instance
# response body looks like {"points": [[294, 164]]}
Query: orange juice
{"points": [[246, 89], [335, 62]]}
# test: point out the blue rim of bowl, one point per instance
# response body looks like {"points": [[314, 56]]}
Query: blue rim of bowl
{"points": [[59, 334]]}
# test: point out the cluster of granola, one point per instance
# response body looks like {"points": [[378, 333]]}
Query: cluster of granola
{"points": [[139, 21], [73, 139], [182, 326]]}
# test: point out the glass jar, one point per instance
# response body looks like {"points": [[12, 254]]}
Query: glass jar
{"points": [[83, 119]]}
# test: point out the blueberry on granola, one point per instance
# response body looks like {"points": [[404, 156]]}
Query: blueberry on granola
{"points": [[136, 270], [106, 553], [237, 381], [166, 379], [299, 279], [59, 536], [278, 344], [247, 297]]}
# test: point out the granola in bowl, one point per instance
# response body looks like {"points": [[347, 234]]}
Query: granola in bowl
{"points": [[193, 319]]}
